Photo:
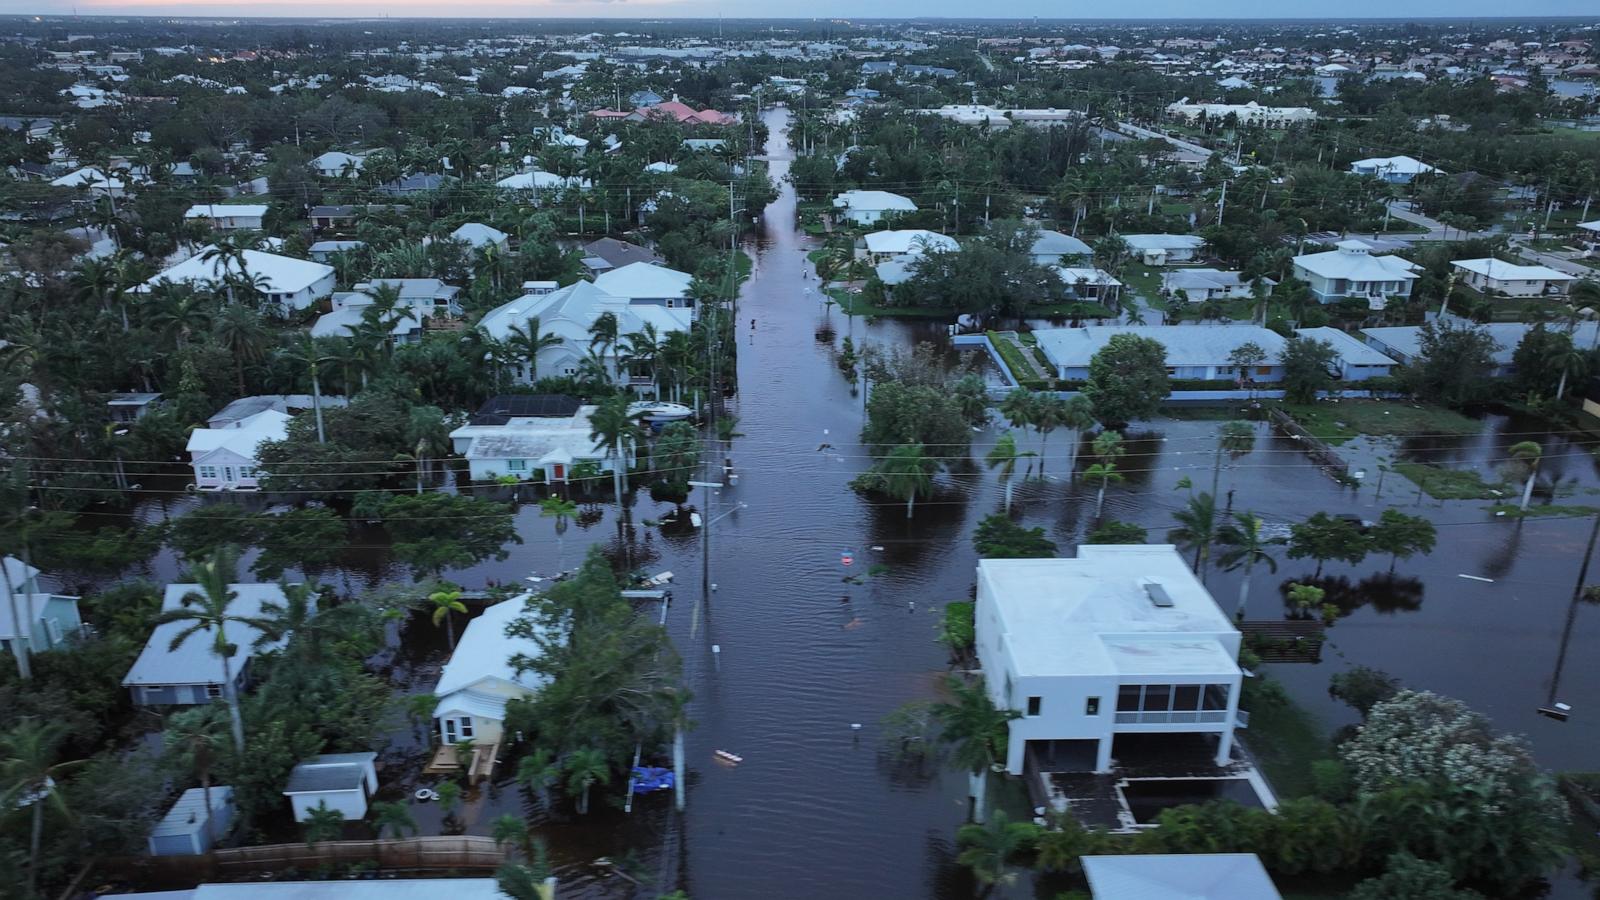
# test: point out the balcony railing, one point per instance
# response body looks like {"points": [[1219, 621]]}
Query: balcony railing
{"points": [[1208, 717]]}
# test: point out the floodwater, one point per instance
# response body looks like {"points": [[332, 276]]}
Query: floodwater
{"points": [[787, 657]]}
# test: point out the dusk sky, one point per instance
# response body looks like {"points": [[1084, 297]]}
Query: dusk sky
{"points": [[629, 9]]}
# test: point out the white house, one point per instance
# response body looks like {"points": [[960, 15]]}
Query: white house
{"points": [[882, 246], [541, 181], [1164, 249], [1357, 360], [188, 828], [568, 313], [47, 619], [1200, 352], [541, 448], [644, 284], [1495, 275], [1393, 169], [1352, 271], [224, 459], [96, 182], [1403, 343], [1121, 640], [288, 282], [323, 251], [1052, 248], [1179, 876], [235, 217], [338, 164], [1200, 285], [1089, 283], [871, 207], [479, 679], [478, 236], [191, 673], [343, 782], [421, 301], [1244, 113], [1589, 234]]}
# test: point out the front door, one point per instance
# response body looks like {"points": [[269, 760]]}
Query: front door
{"points": [[227, 474], [450, 731], [560, 472]]}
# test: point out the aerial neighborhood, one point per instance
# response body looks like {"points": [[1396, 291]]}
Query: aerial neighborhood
{"points": [[667, 458]]}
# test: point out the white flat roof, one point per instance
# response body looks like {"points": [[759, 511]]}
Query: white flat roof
{"points": [[1093, 615]]}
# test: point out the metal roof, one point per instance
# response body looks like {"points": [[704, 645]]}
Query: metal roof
{"points": [[1179, 876], [187, 813]]}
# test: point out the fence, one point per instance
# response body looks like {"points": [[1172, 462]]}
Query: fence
{"points": [[417, 854], [1314, 446]]}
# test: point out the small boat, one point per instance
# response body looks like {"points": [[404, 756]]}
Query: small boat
{"points": [[660, 411]]}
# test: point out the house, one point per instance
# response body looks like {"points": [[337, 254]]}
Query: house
{"points": [[881, 246], [1393, 169], [1052, 248], [1200, 285], [420, 301], [871, 207], [338, 164], [641, 283], [343, 782], [1495, 276], [287, 282], [1589, 235], [616, 254], [324, 251], [479, 679], [126, 408], [411, 185], [569, 313], [1089, 283], [324, 218], [189, 828], [1179, 876], [95, 182], [48, 619], [1193, 352], [672, 111], [1243, 113], [1164, 249], [191, 673], [541, 181], [479, 236], [538, 448], [1123, 639], [1356, 360], [224, 459], [660, 168], [293, 404], [1350, 270], [238, 217], [1403, 343]]}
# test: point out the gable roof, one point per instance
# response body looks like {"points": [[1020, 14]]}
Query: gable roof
{"points": [[1054, 243], [1351, 349], [643, 280], [192, 662], [485, 650], [910, 240], [570, 311], [283, 274], [243, 437], [1500, 270], [874, 201], [620, 253], [1352, 262], [330, 772], [479, 235], [1179, 876], [1186, 345]]}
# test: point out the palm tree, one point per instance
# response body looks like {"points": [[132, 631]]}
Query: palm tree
{"points": [[1246, 547], [617, 432], [643, 347], [1018, 408], [1077, 413], [395, 817], [525, 343], [562, 510], [906, 472], [603, 334], [538, 770], [322, 824], [239, 329], [209, 609], [179, 312], [988, 849], [1003, 455], [1107, 449], [1049, 413], [1235, 439], [444, 603], [28, 774], [1197, 528], [226, 255], [586, 768], [509, 828], [198, 738], [1525, 458], [1573, 362], [307, 353], [977, 731]]}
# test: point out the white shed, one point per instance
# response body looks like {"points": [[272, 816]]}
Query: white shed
{"points": [[343, 781], [187, 829]]}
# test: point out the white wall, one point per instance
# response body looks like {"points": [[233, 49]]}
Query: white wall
{"points": [[352, 803]]}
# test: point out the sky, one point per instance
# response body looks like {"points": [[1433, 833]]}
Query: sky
{"points": [[805, 9]]}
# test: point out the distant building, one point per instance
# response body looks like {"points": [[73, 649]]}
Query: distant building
{"points": [[237, 217], [569, 313], [1164, 249], [1243, 113], [1490, 275], [871, 207], [1356, 360], [1350, 270], [48, 619], [1052, 248], [1200, 285], [338, 164], [290, 283], [1393, 169], [538, 448], [881, 246], [1193, 352], [126, 408]]}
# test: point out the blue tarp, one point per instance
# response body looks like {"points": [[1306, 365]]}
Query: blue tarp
{"points": [[647, 779]]}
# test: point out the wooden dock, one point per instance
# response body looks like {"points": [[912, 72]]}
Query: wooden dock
{"points": [[1284, 640]]}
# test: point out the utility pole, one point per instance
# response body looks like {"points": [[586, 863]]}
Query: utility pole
{"points": [[1551, 708], [705, 550], [1222, 202]]}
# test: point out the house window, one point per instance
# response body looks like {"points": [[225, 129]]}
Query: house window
{"points": [[53, 629], [1091, 706], [247, 471], [213, 691], [1172, 371], [1128, 698], [1263, 370], [516, 465], [208, 471], [1034, 703], [466, 727]]}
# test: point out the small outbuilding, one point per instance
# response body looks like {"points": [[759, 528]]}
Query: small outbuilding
{"points": [[342, 781], [188, 828]]}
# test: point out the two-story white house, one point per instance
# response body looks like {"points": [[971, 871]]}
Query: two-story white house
{"points": [[568, 313], [644, 284], [1121, 640], [224, 459], [1350, 270], [479, 679], [39, 618], [871, 207]]}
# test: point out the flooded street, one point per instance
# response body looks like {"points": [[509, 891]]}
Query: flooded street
{"points": [[804, 655]]}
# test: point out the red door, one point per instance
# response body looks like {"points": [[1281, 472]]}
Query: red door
{"points": [[561, 472]]}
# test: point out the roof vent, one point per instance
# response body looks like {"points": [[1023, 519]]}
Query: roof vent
{"points": [[1158, 595]]}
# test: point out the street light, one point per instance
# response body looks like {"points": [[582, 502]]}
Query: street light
{"points": [[705, 548]]}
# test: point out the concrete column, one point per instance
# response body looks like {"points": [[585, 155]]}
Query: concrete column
{"points": [[1102, 759], [1225, 745]]}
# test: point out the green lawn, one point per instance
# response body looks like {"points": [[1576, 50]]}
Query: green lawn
{"points": [[1450, 484], [1286, 740], [1542, 509], [1339, 422], [1146, 282]]}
